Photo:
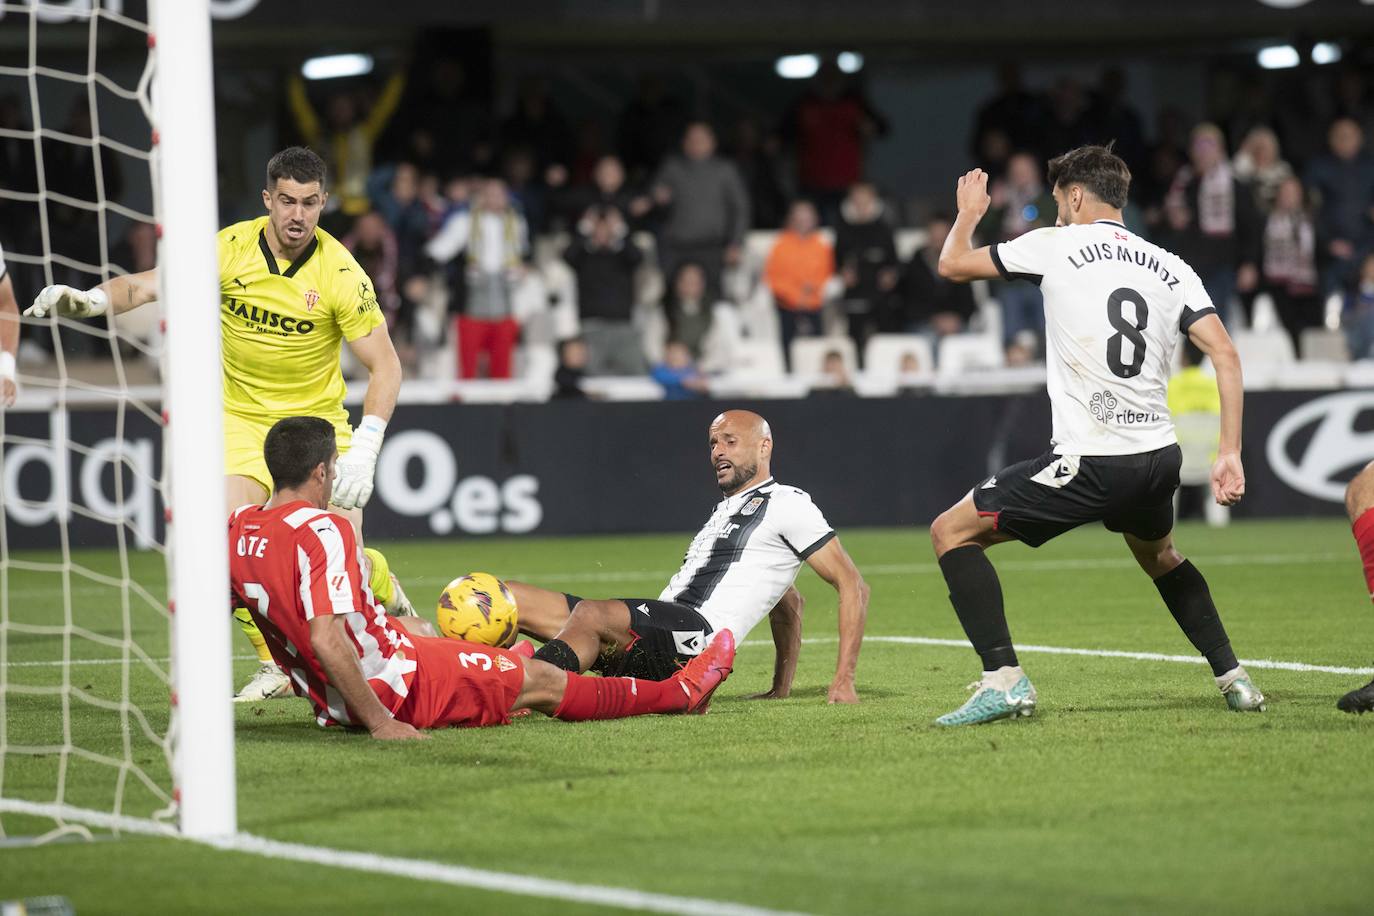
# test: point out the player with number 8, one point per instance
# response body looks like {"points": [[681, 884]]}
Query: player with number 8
{"points": [[1116, 306]]}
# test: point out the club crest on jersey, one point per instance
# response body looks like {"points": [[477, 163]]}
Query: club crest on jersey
{"points": [[311, 297], [753, 506], [505, 664]]}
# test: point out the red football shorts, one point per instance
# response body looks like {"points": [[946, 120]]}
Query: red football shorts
{"points": [[461, 683]]}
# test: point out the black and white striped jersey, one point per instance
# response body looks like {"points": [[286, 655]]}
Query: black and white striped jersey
{"points": [[747, 554]]}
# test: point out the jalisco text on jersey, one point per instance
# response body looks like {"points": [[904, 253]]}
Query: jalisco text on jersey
{"points": [[1106, 251], [269, 320]]}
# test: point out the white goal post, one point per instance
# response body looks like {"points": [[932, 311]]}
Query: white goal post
{"points": [[186, 179]]}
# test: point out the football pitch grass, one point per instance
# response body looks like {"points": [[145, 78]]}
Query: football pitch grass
{"points": [[1132, 789]]}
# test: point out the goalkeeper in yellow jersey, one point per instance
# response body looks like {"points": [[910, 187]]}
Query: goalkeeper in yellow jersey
{"points": [[289, 293]]}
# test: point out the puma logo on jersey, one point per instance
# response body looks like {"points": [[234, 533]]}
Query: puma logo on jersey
{"points": [[240, 283], [992, 482]]}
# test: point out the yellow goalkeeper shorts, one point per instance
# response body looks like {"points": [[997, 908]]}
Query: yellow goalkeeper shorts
{"points": [[244, 438]]}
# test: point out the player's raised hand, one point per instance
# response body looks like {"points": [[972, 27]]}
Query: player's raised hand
{"points": [[396, 730], [357, 466], [66, 302], [972, 193], [1228, 479]]}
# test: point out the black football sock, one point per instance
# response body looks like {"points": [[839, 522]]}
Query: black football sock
{"points": [[559, 654], [1185, 592], [976, 594]]}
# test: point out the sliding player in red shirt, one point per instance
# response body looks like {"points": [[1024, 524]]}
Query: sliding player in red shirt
{"points": [[299, 570]]}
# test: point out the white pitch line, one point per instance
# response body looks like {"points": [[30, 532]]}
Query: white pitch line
{"points": [[904, 569], [418, 869], [1258, 663], [905, 641]]}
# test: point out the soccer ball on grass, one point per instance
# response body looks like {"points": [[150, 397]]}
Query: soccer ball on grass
{"points": [[478, 608]]}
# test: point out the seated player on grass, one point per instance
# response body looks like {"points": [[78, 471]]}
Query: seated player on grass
{"points": [[297, 567], [738, 569]]}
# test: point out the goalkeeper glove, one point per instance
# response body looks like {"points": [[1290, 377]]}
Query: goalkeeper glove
{"points": [[353, 486], [66, 302]]}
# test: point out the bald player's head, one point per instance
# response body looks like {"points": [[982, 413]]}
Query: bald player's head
{"points": [[741, 450]]}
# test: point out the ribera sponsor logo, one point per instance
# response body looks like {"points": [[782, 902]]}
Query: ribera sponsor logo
{"points": [[1316, 448], [474, 504]]}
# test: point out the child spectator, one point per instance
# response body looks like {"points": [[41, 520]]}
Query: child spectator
{"points": [[605, 260], [796, 271], [572, 368], [834, 380], [678, 374]]}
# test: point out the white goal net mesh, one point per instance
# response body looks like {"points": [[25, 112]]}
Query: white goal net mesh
{"points": [[85, 674]]}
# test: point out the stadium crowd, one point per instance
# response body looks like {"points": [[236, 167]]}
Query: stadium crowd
{"points": [[658, 247]]}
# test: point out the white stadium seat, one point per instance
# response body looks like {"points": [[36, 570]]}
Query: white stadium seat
{"points": [[1324, 345], [1263, 356], [808, 354], [959, 353], [883, 353]]}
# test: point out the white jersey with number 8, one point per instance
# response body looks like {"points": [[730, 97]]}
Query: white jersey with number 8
{"points": [[1115, 308]]}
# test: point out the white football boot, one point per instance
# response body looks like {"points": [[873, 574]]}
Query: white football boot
{"points": [[269, 683], [1241, 694]]}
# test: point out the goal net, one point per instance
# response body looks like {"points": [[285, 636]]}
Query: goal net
{"points": [[114, 632]]}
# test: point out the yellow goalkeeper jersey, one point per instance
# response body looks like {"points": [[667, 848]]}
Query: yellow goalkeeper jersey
{"points": [[283, 323]]}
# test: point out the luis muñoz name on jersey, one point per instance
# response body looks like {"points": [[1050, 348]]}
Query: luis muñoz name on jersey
{"points": [[1105, 251], [267, 322]]}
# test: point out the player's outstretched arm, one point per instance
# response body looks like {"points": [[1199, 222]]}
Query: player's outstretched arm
{"points": [[785, 620], [1228, 474], [331, 646], [117, 295], [358, 465], [959, 260], [833, 565]]}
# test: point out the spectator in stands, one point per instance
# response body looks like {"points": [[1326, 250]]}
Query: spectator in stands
{"points": [[1217, 224], [537, 126], [1343, 181], [1014, 112], [345, 139], [1067, 126], [1020, 203], [679, 375], [830, 127], [1258, 162], [688, 309], [605, 259], [649, 127], [1290, 261], [866, 255], [834, 380], [758, 155], [706, 209], [492, 241], [572, 369], [1358, 315], [1112, 118], [909, 370], [797, 272], [607, 189], [934, 306], [373, 245]]}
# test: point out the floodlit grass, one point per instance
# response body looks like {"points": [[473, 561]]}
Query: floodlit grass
{"points": [[1133, 789]]}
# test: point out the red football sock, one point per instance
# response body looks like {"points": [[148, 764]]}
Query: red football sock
{"points": [[1364, 537], [617, 697]]}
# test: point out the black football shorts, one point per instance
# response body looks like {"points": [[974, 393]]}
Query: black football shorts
{"points": [[1037, 500], [665, 636]]}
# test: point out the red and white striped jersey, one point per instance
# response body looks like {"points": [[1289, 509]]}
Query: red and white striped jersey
{"points": [[293, 562]]}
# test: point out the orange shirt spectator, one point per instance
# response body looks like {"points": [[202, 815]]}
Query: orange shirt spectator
{"points": [[800, 263]]}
